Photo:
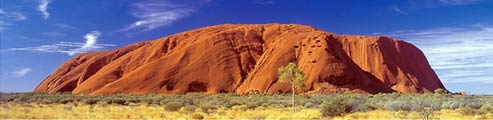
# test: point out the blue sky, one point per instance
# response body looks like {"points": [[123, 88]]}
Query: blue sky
{"points": [[39, 35]]}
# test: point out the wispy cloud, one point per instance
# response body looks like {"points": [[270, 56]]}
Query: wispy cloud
{"points": [[21, 72], [9, 18], [43, 8], [264, 2], [65, 26], [59, 30], [459, 2], [458, 54], [70, 48], [15, 16], [398, 10], [153, 14], [426, 4], [54, 34]]}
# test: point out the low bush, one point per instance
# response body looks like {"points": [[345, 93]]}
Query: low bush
{"points": [[398, 105], [231, 104], [330, 105], [451, 105], [365, 106], [309, 105], [118, 101], [90, 101], [172, 106], [336, 107], [65, 100], [474, 105], [189, 108], [207, 107], [252, 105]]}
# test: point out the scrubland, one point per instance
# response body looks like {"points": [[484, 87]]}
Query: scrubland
{"points": [[438, 105]]}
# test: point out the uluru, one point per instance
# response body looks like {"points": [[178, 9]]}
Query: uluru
{"points": [[238, 58]]}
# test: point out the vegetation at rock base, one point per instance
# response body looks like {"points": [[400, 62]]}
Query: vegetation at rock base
{"points": [[292, 74], [227, 106]]}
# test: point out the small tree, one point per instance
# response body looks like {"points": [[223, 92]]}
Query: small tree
{"points": [[290, 73]]}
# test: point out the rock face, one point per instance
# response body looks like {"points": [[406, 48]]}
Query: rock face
{"points": [[243, 57]]}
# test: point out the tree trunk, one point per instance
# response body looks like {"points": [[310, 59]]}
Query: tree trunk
{"points": [[292, 98]]}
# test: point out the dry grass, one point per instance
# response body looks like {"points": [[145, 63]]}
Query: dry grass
{"points": [[229, 106], [142, 111], [437, 115], [145, 111]]}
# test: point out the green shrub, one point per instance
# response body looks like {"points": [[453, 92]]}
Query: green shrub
{"points": [[118, 101], [452, 105], [65, 100], [335, 107], [133, 101], [309, 105], [154, 100], [189, 108], [207, 107], [252, 105], [421, 103], [231, 104], [45, 101], [172, 106], [474, 105], [398, 105], [90, 101], [366, 106], [188, 100]]}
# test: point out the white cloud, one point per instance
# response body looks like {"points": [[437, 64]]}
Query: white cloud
{"points": [[459, 2], [91, 39], [59, 30], [54, 34], [265, 2], [457, 54], [398, 10], [14, 16], [21, 72], [70, 48], [9, 18], [43, 8], [153, 14], [65, 26], [4, 25]]}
